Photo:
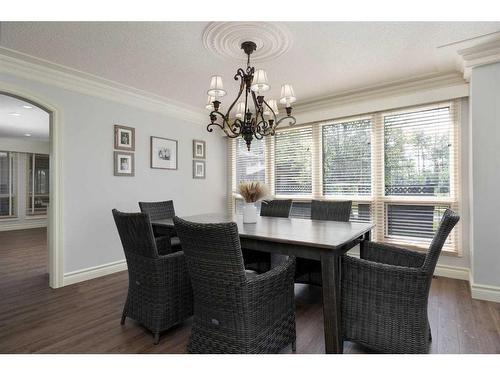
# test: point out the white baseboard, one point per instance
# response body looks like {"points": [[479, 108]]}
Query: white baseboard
{"points": [[5, 226], [484, 292], [452, 272], [94, 272]]}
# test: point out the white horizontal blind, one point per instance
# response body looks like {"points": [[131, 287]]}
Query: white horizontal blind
{"points": [[400, 168], [293, 162], [347, 158], [417, 170], [250, 165]]}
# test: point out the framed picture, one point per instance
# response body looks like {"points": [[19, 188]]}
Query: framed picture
{"points": [[199, 148], [124, 164], [124, 138], [163, 153], [198, 169]]}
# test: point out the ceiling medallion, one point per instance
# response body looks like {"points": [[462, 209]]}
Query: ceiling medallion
{"points": [[224, 39]]}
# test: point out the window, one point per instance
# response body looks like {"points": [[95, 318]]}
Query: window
{"points": [[293, 162], [7, 185], [417, 152], [250, 165], [400, 169], [38, 184], [347, 158]]}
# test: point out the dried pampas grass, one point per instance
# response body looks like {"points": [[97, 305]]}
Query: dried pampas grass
{"points": [[253, 191]]}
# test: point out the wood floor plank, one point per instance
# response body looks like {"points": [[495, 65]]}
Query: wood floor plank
{"points": [[85, 317]]}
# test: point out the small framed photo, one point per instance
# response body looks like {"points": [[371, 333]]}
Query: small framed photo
{"points": [[163, 153], [124, 138], [199, 149], [124, 164], [198, 169]]}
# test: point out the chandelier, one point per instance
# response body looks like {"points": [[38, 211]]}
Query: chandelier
{"points": [[255, 117]]}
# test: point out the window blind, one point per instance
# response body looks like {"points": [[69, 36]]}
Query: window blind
{"points": [[293, 162], [347, 158], [400, 168]]}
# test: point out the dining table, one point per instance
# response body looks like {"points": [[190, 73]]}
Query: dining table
{"points": [[321, 240]]}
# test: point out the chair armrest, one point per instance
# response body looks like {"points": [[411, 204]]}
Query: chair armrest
{"points": [[387, 254], [271, 294], [389, 280]]}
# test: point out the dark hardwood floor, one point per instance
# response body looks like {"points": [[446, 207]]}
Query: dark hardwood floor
{"points": [[85, 318]]}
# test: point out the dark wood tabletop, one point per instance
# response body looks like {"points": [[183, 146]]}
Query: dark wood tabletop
{"points": [[320, 233]]}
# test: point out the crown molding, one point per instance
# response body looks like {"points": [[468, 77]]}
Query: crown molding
{"points": [[35, 69], [478, 55], [389, 89]]}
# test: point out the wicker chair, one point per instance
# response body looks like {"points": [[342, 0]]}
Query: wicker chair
{"points": [[276, 208], [159, 289], [331, 210], [384, 294], [258, 260], [309, 271], [235, 312], [166, 240]]}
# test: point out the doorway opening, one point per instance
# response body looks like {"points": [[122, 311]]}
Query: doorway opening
{"points": [[28, 200]]}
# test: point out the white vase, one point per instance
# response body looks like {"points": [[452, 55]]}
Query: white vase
{"points": [[249, 213]]}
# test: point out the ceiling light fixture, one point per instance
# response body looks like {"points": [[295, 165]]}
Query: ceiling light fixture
{"points": [[249, 123]]}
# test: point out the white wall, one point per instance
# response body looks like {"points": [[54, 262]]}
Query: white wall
{"points": [[485, 144], [24, 145], [90, 190]]}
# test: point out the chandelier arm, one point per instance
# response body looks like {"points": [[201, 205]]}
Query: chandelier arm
{"points": [[240, 73], [292, 122], [225, 127]]}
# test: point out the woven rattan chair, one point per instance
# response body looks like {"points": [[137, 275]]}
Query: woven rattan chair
{"points": [[258, 260], [159, 290], [166, 239], [235, 312], [276, 208], [309, 271], [384, 294], [331, 210]]}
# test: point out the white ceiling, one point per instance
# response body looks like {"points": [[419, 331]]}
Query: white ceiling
{"points": [[34, 121], [169, 59]]}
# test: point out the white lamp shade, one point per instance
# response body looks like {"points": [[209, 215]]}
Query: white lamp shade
{"points": [[210, 106], [240, 109], [216, 87], [260, 82], [287, 95], [274, 106]]}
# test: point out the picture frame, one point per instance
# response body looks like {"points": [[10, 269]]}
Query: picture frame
{"points": [[199, 149], [124, 138], [164, 153], [124, 164], [199, 169]]}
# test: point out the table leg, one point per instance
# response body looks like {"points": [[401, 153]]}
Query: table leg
{"points": [[330, 271], [366, 237]]}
